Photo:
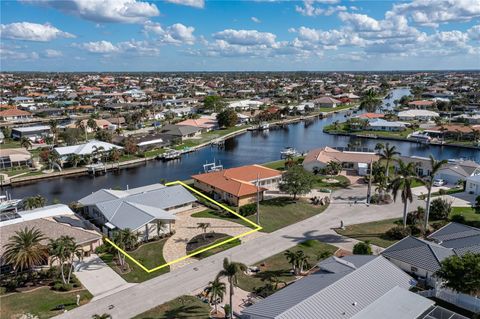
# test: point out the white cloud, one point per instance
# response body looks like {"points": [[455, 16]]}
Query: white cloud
{"points": [[308, 8], [175, 34], [255, 19], [51, 53], [98, 47], [12, 53], [245, 37], [124, 11], [190, 3], [360, 22], [474, 33], [435, 12], [32, 32]]}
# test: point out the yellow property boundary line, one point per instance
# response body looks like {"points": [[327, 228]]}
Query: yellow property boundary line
{"points": [[257, 228]]}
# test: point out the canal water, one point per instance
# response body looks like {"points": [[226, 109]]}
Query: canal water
{"points": [[248, 148]]}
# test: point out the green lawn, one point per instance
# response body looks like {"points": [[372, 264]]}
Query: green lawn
{"points": [[184, 307], [209, 136], [472, 216], [150, 255], [338, 108], [40, 302], [279, 266], [343, 182], [374, 232], [218, 249], [274, 213]]}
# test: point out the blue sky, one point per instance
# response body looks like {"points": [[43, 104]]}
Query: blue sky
{"points": [[268, 35]]}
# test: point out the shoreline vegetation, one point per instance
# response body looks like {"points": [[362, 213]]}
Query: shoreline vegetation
{"points": [[129, 161]]}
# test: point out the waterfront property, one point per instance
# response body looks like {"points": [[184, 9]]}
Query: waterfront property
{"points": [[326, 101], [352, 161], [205, 123], [32, 132], [11, 157], [473, 185], [240, 185], [54, 221], [181, 132], [138, 209], [350, 287], [388, 126], [89, 148], [417, 115]]}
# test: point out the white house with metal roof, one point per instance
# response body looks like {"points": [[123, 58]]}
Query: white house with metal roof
{"points": [[88, 148], [138, 209]]}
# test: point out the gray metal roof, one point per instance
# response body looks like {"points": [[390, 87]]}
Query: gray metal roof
{"points": [[454, 231], [332, 295], [398, 303], [418, 253], [101, 195]]}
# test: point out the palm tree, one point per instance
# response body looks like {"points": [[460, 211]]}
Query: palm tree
{"points": [[40, 201], [428, 181], [388, 154], [97, 151], [204, 227], [102, 316], [216, 290], [92, 124], [292, 259], [230, 271], [26, 142], [74, 159], [80, 124], [159, 225], [125, 239], [24, 249], [301, 260], [370, 101], [403, 183], [333, 167], [53, 129]]}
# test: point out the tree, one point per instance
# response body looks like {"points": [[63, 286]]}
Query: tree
{"points": [[130, 146], [362, 248], [64, 249], [98, 151], [204, 227], [213, 103], [231, 270], [74, 159], [428, 181], [370, 101], [102, 316], [440, 209], [216, 290], [114, 155], [227, 118], [388, 154], [125, 239], [33, 202], [53, 129], [26, 142], [333, 168], [24, 250], [461, 273], [403, 183], [298, 260], [92, 124], [296, 181]]}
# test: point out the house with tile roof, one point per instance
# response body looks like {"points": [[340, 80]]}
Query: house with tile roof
{"points": [[14, 115], [240, 185], [137, 209], [358, 287]]}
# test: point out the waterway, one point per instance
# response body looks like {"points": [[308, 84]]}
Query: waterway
{"points": [[248, 148]]}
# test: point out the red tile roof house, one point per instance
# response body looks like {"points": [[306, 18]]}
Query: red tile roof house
{"points": [[371, 116], [14, 115], [422, 104], [205, 123], [237, 186]]}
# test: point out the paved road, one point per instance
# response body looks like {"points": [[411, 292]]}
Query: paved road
{"points": [[142, 297]]}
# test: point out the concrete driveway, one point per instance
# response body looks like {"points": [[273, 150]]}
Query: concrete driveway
{"points": [[463, 199], [422, 190], [98, 277]]}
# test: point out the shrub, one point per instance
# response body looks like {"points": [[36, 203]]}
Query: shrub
{"points": [[247, 210], [362, 248], [414, 230], [60, 286], [442, 191], [458, 218], [438, 225], [440, 209], [398, 232]]}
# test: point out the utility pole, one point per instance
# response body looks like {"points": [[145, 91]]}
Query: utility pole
{"points": [[369, 190], [258, 199]]}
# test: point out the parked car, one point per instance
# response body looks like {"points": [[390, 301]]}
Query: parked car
{"points": [[439, 182]]}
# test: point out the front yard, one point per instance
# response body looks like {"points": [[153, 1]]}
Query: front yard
{"points": [[278, 267], [42, 302], [150, 255], [184, 307], [374, 231]]}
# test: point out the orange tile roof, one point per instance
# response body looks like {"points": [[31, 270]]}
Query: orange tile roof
{"points": [[371, 115], [14, 112], [421, 103], [237, 181]]}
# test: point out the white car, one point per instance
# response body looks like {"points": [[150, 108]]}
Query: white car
{"points": [[439, 182]]}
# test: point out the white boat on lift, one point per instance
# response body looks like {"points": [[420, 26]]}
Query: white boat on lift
{"points": [[7, 203], [289, 152]]}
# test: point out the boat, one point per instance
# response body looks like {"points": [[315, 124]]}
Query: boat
{"points": [[7, 203], [212, 167], [264, 126], [420, 137], [289, 152], [171, 155]]}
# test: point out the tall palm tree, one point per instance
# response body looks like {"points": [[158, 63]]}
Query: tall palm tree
{"points": [[216, 290], [403, 183], [370, 101], [97, 151], [92, 124], [204, 227], [26, 142], [231, 270], [81, 125], [428, 181], [388, 154], [292, 259], [126, 240], [40, 201], [74, 159], [53, 129], [24, 250]]}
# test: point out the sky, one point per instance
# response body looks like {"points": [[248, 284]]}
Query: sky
{"points": [[256, 35]]}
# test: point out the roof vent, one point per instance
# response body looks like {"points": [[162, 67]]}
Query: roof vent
{"points": [[354, 303]]}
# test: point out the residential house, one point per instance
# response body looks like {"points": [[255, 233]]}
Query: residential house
{"points": [[206, 123], [11, 157], [386, 126], [417, 115], [245, 104], [53, 221], [15, 115], [421, 104], [240, 185], [472, 185], [101, 124], [181, 132], [326, 101], [89, 149], [359, 287], [353, 161], [138, 209], [34, 133], [371, 116]]}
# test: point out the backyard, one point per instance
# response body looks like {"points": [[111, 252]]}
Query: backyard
{"points": [[184, 307], [150, 255], [278, 267], [41, 302]]}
